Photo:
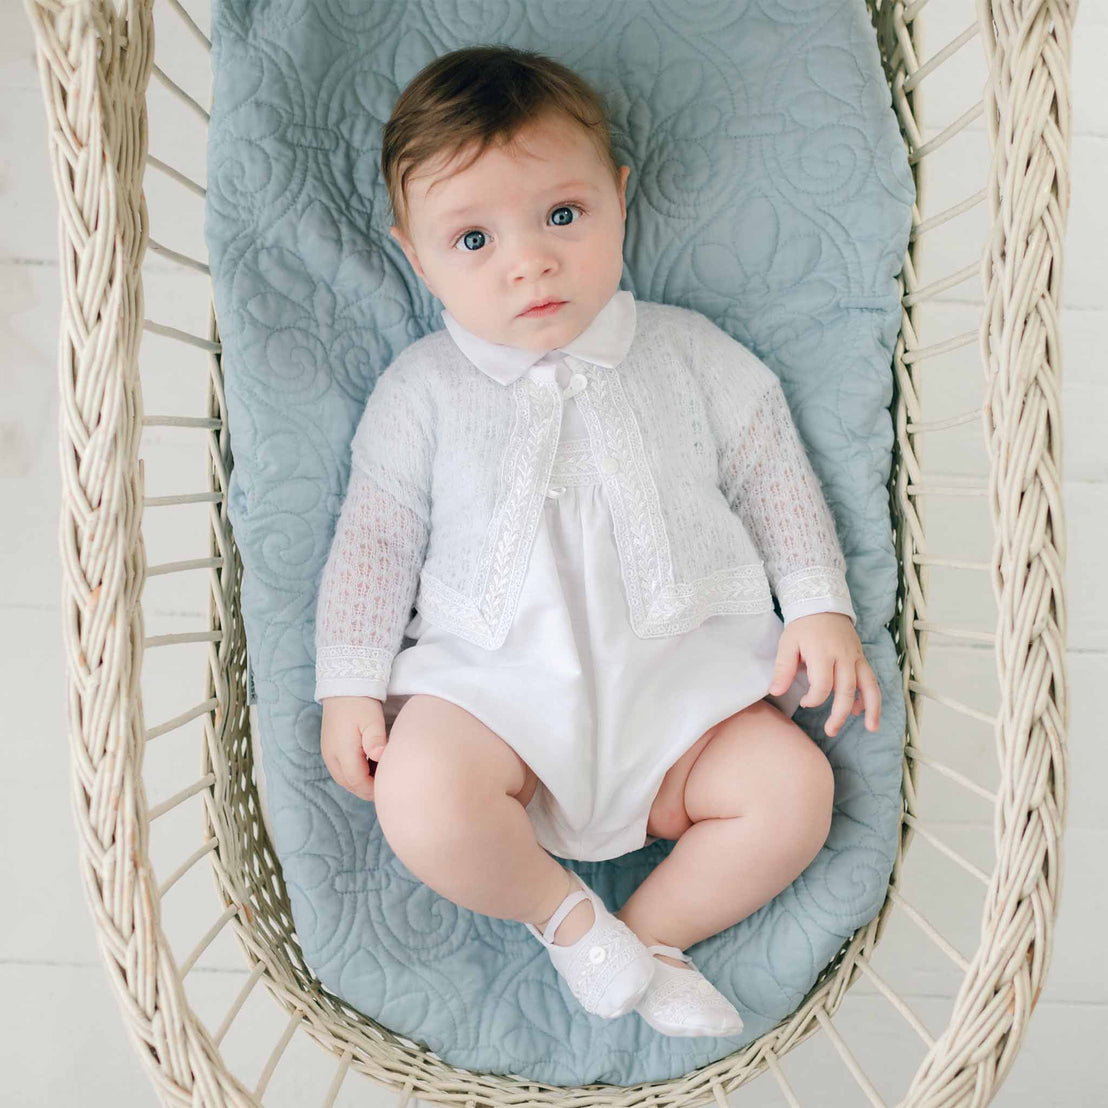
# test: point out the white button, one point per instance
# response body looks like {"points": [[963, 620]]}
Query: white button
{"points": [[609, 464], [577, 383], [555, 491], [597, 955]]}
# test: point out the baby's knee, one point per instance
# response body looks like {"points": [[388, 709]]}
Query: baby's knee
{"points": [[815, 782], [804, 782], [419, 789]]}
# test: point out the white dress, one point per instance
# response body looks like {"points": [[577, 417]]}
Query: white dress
{"points": [[573, 690]]}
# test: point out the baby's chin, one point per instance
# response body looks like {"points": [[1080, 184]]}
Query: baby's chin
{"points": [[546, 340], [533, 335], [538, 334]]}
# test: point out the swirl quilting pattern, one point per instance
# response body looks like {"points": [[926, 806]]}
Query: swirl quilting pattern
{"points": [[770, 190]]}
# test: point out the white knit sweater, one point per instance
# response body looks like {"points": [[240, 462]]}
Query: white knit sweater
{"points": [[712, 495]]}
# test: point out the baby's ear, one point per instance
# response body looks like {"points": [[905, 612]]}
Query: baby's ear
{"points": [[410, 254], [624, 173]]}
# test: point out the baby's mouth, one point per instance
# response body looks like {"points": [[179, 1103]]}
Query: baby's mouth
{"points": [[549, 308]]}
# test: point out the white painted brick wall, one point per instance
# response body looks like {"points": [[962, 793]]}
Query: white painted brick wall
{"points": [[62, 1040]]}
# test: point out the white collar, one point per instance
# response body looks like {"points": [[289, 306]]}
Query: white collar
{"points": [[604, 342]]}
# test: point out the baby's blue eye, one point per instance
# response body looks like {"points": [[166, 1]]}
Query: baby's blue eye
{"points": [[473, 240]]}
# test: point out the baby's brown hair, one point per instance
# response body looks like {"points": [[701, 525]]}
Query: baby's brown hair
{"points": [[481, 95]]}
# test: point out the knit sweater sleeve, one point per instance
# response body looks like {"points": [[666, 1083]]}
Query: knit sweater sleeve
{"points": [[768, 479], [372, 570]]}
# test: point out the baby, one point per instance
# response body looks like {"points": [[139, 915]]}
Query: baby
{"points": [[571, 453]]}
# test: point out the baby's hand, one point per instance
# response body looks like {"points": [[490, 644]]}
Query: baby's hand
{"points": [[830, 649], [353, 730]]}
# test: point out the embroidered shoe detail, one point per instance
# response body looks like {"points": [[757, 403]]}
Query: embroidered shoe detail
{"points": [[593, 963], [610, 947], [681, 1001]]}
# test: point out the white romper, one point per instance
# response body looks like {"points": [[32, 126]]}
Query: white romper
{"points": [[597, 712]]}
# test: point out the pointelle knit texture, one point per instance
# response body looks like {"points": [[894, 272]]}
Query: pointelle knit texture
{"points": [[714, 500]]}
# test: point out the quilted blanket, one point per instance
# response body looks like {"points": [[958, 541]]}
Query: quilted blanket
{"points": [[770, 190]]}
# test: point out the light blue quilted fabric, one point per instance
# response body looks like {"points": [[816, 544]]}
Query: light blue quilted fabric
{"points": [[770, 190]]}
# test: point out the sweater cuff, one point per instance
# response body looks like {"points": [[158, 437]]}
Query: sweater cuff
{"points": [[811, 591], [351, 686], [344, 670], [815, 607]]}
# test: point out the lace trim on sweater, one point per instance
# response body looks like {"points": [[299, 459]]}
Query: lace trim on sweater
{"points": [[646, 561], [636, 512], [377, 557], [815, 583], [503, 563], [641, 541], [374, 664], [574, 464]]}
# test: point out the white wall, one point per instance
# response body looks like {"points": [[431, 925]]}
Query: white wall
{"points": [[61, 1036]]}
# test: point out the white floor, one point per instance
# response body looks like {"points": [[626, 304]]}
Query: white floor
{"points": [[62, 1040]]}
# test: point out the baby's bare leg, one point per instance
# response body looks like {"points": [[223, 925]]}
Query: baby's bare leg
{"points": [[759, 796], [450, 796]]}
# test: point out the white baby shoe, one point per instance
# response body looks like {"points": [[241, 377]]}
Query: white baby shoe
{"points": [[608, 969], [681, 1001]]}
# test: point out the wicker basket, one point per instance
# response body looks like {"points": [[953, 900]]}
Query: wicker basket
{"points": [[95, 60]]}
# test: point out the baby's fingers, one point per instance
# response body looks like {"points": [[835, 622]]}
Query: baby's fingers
{"points": [[373, 743], [784, 668], [871, 694], [821, 680], [844, 697], [354, 775]]}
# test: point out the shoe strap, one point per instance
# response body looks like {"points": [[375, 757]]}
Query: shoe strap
{"points": [[571, 901], [669, 951]]}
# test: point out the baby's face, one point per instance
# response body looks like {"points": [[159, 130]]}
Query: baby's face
{"points": [[543, 223]]}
